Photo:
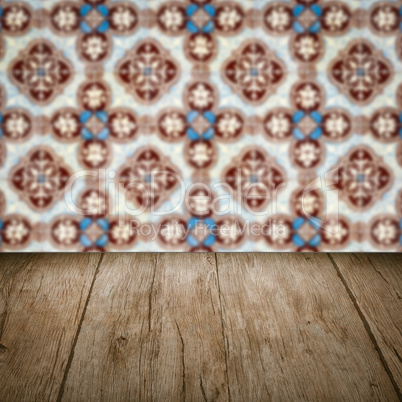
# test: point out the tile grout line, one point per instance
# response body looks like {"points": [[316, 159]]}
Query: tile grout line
{"points": [[71, 356], [223, 327], [367, 327]]}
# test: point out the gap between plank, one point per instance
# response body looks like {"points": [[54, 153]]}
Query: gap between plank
{"points": [[71, 356], [367, 327], [150, 294], [223, 327]]}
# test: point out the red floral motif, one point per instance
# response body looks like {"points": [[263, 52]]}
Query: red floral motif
{"points": [[16, 232], [336, 233], [278, 125], [336, 18], [199, 200], [171, 18], [278, 232], [123, 125], [201, 47], [201, 22], [307, 153], [94, 47], [94, 44], [201, 96], [385, 125], [385, 18], [172, 234], [16, 18], [94, 202], [231, 232], [200, 154], [172, 125], [229, 125], [95, 119], [362, 178], [65, 124], [307, 203], [16, 125], [307, 125], [41, 72], [121, 236], [208, 124], [123, 18], [337, 125], [200, 229], [147, 71], [40, 178], [64, 232], [308, 228], [307, 47], [307, 27], [278, 18], [94, 96], [307, 96], [148, 177], [255, 177], [229, 18], [361, 72], [385, 232], [254, 72], [65, 18], [309, 206], [94, 229], [203, 122], [94, 154]]}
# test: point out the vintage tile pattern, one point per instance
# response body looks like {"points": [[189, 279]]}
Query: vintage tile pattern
{"points": [[201, 125]]}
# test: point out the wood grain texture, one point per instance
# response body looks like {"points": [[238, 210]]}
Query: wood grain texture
{"points": [[375, 281], [293, 333], [42, 297], [152, 331]]}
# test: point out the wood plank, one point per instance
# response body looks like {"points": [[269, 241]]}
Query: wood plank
{"points": [[42, 298], [375, 281], [292, 332], [152, 331]]}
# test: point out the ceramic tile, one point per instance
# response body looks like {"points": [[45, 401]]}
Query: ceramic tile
{"points": [[154, 125]]}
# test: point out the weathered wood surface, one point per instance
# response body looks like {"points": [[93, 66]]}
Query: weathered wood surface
{"points": [[152, 331], [375, 283], [292, 333], [42, 298], [79, 327]]}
